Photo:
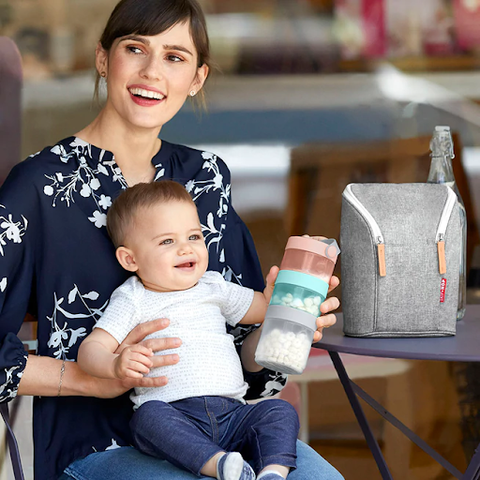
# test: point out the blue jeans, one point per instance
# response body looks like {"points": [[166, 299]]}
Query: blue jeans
{"points": [[189, 432], [126, 463]]}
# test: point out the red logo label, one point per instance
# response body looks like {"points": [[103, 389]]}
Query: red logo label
{"points": [[443, 287]]}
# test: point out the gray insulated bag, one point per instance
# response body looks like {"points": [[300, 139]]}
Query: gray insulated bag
{"points": [[400, 262]]}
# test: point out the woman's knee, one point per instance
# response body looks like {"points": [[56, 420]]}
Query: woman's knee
{"points": [[312, 465]]}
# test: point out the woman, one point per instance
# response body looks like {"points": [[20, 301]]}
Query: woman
{"points": [[58, 263]]}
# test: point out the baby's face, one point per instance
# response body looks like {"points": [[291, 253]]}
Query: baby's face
{"points": [[168, 246]]}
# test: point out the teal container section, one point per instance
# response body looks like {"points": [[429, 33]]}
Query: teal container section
{"points": [[300, 291], [303, 280]]}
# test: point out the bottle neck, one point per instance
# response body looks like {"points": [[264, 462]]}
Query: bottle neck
{"points": [[441, 170]]}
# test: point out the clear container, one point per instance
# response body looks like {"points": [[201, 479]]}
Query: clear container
{"points": [[300, 288], [300, 291], [300, 298], [286, 339]]}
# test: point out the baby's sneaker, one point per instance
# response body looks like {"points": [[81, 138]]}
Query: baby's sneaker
{"points": [[232, 466]]}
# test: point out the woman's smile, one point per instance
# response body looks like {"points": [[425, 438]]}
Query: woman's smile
{"points": [[146, 96]]}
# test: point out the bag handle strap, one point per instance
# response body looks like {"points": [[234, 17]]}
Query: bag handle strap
{"points": [[12, 444]]}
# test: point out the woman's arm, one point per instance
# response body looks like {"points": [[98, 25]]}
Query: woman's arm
{"points": [[19, 232], [43, 375]]}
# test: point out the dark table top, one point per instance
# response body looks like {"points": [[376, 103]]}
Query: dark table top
{"points": [[463, 347]]}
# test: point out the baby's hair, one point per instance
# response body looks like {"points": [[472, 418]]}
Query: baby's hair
{"points": [[121, 215]]}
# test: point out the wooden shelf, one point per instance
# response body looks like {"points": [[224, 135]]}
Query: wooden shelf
{"points": [[414, 64]]}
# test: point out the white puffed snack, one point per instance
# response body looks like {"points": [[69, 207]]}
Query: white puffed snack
{"points": [[309, 304], [288, 351]]}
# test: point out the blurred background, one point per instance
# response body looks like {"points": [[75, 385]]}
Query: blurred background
{"points": [[308, 96]]}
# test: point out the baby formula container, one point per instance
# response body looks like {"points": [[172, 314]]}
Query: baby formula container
{"points": [[300, 288]]}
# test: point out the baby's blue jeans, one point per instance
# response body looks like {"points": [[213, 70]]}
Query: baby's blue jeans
{"points": [[189, 432]]}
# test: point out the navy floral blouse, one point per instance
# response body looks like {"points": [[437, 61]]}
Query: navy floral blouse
{"points": [[57, 263]]}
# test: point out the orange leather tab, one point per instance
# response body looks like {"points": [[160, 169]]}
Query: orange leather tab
{"points": [[442, 264], [382, 270]]}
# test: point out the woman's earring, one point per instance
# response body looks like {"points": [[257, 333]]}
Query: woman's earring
{"points": [[103, 74], [193, 93]]}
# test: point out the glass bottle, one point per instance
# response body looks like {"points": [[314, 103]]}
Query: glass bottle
{"points": [[441, 171]]}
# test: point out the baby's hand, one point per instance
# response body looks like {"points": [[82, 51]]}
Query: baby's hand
{"points": [[133, 362]]}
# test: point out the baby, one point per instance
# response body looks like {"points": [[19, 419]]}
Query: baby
{"points": [[199, 421]]}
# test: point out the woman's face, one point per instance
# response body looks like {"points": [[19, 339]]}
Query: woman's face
{"points": [[150, 77]]}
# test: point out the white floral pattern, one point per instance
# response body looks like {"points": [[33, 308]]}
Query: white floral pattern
{"points": [[99, 219], [105, 201], [83, 180], [229, 275], [200, 187], [63, 338], [9, 393], [275, 385], [212, 234], [160, 172], [11, 230], [213, 228]]}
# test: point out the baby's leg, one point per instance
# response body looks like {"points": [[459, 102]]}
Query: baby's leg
{"points": [[162, 431], [228, 466], [267, 433]]}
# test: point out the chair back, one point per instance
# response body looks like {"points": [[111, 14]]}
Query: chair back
{"points": [[11, 79]]}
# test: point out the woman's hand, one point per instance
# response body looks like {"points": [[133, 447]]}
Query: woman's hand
{"points": [[113, 388], [137, 336], [326, 318]]}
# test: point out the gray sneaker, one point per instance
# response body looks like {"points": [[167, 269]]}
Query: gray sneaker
{"points": [[232, 466]]}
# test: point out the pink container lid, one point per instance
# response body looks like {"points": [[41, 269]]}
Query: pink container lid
{"points": [[326, 248]]}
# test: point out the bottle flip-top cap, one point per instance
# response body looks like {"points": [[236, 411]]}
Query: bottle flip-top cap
{"points": [[327, 248], [442, 141]]}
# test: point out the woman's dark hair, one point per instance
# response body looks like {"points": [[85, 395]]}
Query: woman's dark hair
{"points": [[151, 17], [121, 215]]}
